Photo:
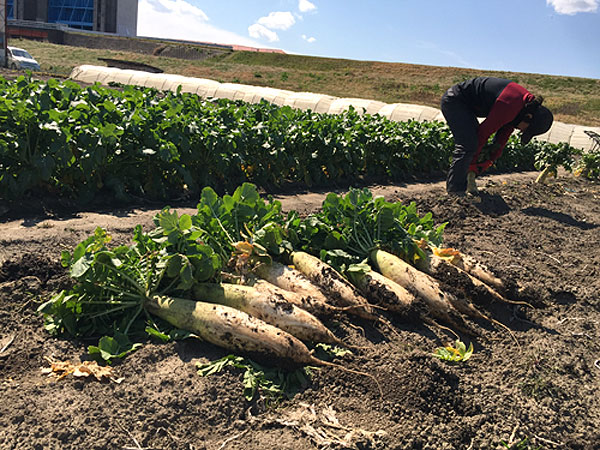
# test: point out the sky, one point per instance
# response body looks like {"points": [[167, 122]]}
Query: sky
{"points": [[554, 37]]}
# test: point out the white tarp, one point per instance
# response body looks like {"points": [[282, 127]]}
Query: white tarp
{"points": [[560, 132]]}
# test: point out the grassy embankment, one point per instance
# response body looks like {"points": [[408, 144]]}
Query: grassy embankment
{"points": [[573, 100]]}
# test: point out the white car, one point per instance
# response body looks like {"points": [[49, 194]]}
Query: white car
{"points": [[20, 59]]}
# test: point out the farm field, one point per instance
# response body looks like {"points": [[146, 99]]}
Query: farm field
{"points": [[542, 394], [76, 158]]}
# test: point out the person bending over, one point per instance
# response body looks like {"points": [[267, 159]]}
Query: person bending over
{"points": [[506, 106]]}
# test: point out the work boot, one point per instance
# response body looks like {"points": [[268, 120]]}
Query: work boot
{"points": [[471, 184]]}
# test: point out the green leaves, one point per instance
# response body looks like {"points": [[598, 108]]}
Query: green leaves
{"points": [[173, 334], [273, 383], [112, 284], [328, 352], [60, 314], [589, 164], [242, 216], [453, 354], [112, 348], [555, 156], [186, 257], [350, 226], [133, 142]]}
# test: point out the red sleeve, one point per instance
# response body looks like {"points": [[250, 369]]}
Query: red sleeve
{"points": [[502, 136], [500, 140], [508, 104]]}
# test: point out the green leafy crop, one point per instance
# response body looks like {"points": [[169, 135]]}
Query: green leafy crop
{"points": [[134, 142], [459, 352], [272, 383], [112, 284], [555, 157], [350, 226]]}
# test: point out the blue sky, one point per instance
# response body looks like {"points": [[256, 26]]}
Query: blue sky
{"points": [[557, 37]]}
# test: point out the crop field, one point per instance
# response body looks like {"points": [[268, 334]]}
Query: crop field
{"points": [[187, 274]]}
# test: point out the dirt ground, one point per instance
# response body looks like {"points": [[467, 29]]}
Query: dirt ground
{"points": [[541, 393]]}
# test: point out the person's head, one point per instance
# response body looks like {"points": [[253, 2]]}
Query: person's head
{"points": [[536, 120]]}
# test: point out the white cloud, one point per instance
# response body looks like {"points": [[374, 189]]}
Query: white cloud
{"points": [[306, 6], [258, 31], [263, 28], [278, 20], [310, 40], [178, 19], [175, 7], [572, 7]]}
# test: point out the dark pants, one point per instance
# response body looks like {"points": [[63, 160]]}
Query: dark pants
{"points": [[464, 125]]}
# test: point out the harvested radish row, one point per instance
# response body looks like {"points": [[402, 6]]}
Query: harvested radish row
{"points": [[274, 309], [388, 294], [471, 266], [440, 304], [442, 269], [284, 277], [335, 286], [235, 238], [230, 328]]}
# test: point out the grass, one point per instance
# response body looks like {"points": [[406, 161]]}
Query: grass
{"points": [[574, 100]]}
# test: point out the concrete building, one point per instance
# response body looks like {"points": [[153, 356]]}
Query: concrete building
{"points": [[110, 16]]}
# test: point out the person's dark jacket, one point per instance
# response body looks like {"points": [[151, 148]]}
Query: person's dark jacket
{"points": [[498, 100]]}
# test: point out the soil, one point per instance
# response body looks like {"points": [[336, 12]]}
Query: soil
{"points": [[535, 389]]}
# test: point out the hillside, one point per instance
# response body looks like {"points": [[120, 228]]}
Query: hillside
{"points": [[573, 100]]}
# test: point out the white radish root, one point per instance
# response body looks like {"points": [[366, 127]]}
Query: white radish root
{"points": [[275, 278], [238, 331], [441, 268], [439, 303], [333, 284], [386, 293], [273, 308]]}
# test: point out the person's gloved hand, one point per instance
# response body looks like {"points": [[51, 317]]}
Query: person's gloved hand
{"points": [[486, 158], [471, 185], [479, 168]]}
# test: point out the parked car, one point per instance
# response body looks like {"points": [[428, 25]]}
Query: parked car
{"points": [[20, 59]]}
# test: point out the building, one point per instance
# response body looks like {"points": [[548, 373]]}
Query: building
{"points": [[110, 16]]}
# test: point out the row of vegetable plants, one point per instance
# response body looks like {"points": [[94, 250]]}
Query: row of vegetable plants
{"points": [[242, 274], [127, 142]]}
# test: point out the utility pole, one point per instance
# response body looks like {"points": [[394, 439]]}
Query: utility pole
{"points": [[3, 13]]}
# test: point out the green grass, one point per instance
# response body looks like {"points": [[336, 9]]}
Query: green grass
{"points": [[574, 100]]}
